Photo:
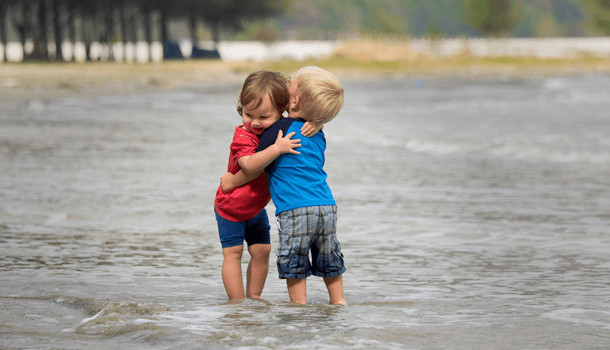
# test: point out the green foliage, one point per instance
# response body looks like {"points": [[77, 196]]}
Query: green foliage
{"points": [[492, 17], [434, 31], [340, 19], [265, 31], [599, 16], [382, 18], [526, 27], [547, 27]]}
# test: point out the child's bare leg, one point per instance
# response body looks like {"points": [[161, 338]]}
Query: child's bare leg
{"points": [[231, 272], [257, 269], [297, 290], [335, 290]]}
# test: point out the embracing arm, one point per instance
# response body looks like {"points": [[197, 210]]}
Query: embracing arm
{"points": [[229, 181], [309, 129], [259, 160]]}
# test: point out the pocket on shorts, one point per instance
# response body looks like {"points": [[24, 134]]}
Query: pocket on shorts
{"points": [[287, 262], [283, 251], [337, 256]]}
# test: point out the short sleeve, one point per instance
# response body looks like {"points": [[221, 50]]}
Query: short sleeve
{"points": [[243, 145]]}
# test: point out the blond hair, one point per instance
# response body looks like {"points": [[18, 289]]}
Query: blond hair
{"points": [[260, 84], [320, 94]]}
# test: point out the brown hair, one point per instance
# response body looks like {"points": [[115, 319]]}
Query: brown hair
{"points": [[263, 83], [321, 94]]}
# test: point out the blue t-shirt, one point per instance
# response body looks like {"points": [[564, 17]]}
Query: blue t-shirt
{"points": [[297, 180]]}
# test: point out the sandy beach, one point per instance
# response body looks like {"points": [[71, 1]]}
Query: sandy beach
{"points": [[25, 81], [44, 80]]}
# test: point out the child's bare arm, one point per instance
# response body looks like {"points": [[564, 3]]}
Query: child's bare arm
{"points": [[229, 181], [259, 160], [309, 129]]}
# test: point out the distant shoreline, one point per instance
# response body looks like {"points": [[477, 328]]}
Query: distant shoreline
{"points": [[50, 80]]}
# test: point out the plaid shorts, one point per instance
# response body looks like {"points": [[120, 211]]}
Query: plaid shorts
{"points": [[309, 229]]}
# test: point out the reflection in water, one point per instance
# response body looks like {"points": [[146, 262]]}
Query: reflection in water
{"points": [[471, 214]]}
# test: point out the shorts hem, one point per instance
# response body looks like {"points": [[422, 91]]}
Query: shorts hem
{"points": [[231, 244], [297, 276], [329, 275]]}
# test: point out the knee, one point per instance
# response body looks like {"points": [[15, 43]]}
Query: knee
{"points": [[260, 251], [233, 253]]}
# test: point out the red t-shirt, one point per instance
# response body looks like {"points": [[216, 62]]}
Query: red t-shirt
{"points": [[245, 202]]}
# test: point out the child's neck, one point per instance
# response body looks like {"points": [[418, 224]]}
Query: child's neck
{"points": [[294, 114]]}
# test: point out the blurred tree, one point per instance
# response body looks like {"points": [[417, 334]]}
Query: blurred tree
{"points": [[447, 15], [18, 20], [421, 18], [384, 22], [267, 31], [58, 34], [525, 28], [308, 19], [569, 14], [547, 27], [434, 31], [40, 31], [566, 11], [382, 17], [598, 12], [492, 17], [229, 15], [3, 7], [91, 21]]}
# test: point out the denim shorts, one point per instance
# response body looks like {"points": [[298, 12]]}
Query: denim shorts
{"points": [[254, 231], [304, 230]]}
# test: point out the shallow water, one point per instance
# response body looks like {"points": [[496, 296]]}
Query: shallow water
{"points": [[472, 215]]}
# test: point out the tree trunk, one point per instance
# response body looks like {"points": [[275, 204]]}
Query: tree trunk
{"points": [[193, 27], [80, 48], [107, 36], [133, 25], [3, 25], [58, 30], [23, 25], [41, 43], [147, 30], [164, 21], [216, 34], [124, 18], [129, 31]]}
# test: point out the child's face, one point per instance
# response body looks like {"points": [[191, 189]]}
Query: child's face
{"points": [[256, 120]]}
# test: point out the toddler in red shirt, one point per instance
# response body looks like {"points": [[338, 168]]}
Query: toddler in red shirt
{"points": [[240, 212]]}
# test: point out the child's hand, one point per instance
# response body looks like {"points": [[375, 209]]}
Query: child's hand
{"points": [[285, 144], [225, 182], [309, 129]]}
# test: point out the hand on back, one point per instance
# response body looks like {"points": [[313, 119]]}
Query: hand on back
{"points": [[285, 145], [309, 129]]}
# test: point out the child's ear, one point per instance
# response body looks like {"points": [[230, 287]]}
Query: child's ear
{"points": [[294, 104]]}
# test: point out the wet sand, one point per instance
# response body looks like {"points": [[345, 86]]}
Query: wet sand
{"points": [[30, 80], [20, 82]]}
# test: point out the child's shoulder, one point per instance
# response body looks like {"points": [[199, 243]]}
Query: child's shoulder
{"points": [[244, 137], [270, 135], [283, 124], [289, 121]]}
